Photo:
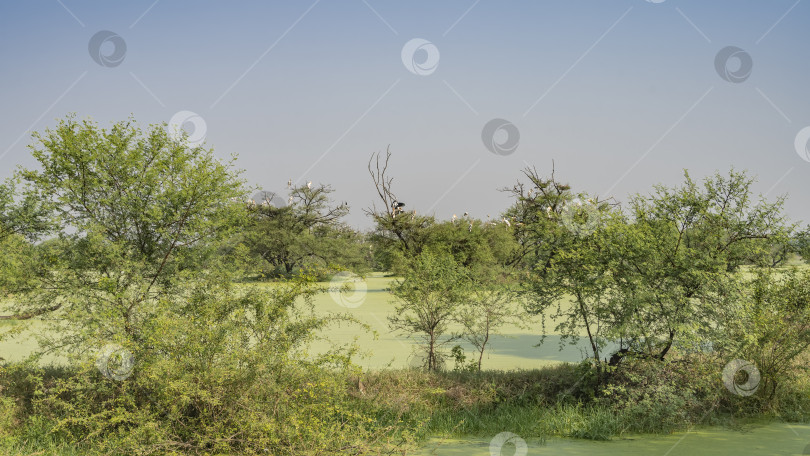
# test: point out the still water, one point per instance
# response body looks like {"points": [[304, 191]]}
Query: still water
{"points": [[768, 439]]}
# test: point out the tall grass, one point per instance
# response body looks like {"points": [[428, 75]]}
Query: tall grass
{"points": [[400, 408]]}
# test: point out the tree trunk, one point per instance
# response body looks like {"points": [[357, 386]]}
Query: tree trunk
{"points": [[669, 345], [432, 353], [484, 345], [481, 355], [588, 328]]}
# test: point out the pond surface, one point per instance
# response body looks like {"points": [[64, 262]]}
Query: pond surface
{"points": [[769, 439], [513, 348]]}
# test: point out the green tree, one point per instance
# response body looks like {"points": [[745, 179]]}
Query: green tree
{"points": [[135, 213], [488, 308], [307, 230], [483, 250], [24, 219], [537, 216], [131, 263], [562, 250], [575, 289], [22, 213], [765, 320], [679, 254], [800, 244], [428, 297]]}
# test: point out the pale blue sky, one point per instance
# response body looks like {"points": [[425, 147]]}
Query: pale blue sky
{"points": [[621, 94]]}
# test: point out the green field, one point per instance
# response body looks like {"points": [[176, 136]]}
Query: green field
{"points": [[514, 349]]}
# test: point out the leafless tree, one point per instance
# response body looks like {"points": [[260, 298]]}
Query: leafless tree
{"points": [[392, 221]]}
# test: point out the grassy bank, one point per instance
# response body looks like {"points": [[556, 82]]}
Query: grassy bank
{"points": [[569, 400], [384, 412]]}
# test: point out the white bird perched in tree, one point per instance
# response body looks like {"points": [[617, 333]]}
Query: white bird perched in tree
{"points": [[289, 201], [454, 219], [506, 222], [470, 228], [531, 190], [309, 184], [289, 183], [466, 214], [548, 211], [413, 214]]}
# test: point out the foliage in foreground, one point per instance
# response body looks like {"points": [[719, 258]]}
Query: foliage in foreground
{"points": [[327, 411], [230, 378]]}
